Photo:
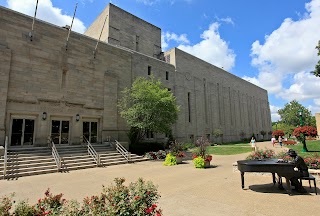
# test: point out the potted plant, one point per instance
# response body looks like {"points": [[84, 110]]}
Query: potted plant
{"points": [[201, 159], [176, 153]]}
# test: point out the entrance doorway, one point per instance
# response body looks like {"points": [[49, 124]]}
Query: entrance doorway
{"points": [[60, 131], [22, 132], [90, 131]]}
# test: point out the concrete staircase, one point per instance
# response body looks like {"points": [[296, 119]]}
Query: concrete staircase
{"points": [[39, 160]]}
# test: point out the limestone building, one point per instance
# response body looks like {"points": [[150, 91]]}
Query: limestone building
{"points": [[318, 122], [50, 89]]}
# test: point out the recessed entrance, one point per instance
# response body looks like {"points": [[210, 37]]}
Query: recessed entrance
{"points": [[90, 131], [60, 132], [22, 132]]}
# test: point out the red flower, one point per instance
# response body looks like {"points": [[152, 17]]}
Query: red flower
{"points": [[136, 197], [149, 210]]}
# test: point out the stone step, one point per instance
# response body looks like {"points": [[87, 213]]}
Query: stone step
{"points": [[28, 161], [42, 168], [31, 159], [23, 173], [28, 164]]}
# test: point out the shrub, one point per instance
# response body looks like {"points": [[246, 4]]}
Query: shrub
{"points": [[278, 133], [283, 155], [289, 142], [313, 162], [261, 154], [311, 138], [144, 147], [24, 209], [6, 205], [202, 144], [159, 155], [139, 198], [170, 160], [198, 162], [187, 146], [301, 132], [50, 204], [176, 149]]}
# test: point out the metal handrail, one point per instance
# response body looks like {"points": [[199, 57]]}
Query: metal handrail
{"points": [[55, 155], [5, 157], [123, 151], [91, 151]]}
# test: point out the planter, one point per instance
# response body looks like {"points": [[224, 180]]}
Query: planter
{"points": [[206, 164], [179, 160]]}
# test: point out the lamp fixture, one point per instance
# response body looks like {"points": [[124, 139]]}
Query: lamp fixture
{"points": [[44, 116], [77, 117]]}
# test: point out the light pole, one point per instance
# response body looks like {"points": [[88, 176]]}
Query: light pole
{"points": [[304, 149]]}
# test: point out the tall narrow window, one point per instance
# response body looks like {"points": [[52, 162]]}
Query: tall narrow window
{"points": [[149, 70], [167, 75], [189, 107], [205, 101]]}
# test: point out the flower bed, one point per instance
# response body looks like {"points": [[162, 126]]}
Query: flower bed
{"points": [[289, 142], [313, 162], [139, 198], [159, 155], [261, 154]]}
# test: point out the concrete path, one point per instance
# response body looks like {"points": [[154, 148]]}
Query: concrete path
{"points": [[185, 191]]}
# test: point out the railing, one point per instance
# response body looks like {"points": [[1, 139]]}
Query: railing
{"points": [[55, 155], [123, 151], [5, 158], [92, 151]]}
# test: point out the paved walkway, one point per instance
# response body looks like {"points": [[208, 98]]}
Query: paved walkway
{"points": [[185, 191]]}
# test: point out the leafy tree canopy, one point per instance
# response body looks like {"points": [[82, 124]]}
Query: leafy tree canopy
{"points": [[289, 114], [148, 105], [287, 129], [316, 72]]}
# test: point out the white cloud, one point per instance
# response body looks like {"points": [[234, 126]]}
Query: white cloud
{"points": [[148, 2], [287, 56], [212, 48], [47, 12], [274, 113], [167, 37], [153, 2]]}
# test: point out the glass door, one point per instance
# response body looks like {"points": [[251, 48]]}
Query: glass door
{"points": [[90, 131], [60, 131], [22, 132]]}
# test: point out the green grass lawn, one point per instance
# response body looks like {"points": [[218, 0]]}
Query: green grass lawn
{"points": [[228, 149], [312, 145]]}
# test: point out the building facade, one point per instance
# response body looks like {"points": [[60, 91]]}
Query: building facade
{"points": [[50, 89], [317, 115]]}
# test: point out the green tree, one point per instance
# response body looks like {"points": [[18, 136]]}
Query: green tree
{"points": [[286, 128], [148, 106], [289, 114], [316, 72]]}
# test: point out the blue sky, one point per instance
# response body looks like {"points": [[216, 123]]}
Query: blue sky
{"points": [[270, 43]]}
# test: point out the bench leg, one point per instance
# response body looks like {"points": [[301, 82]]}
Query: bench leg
{"points": [[315, 186]]}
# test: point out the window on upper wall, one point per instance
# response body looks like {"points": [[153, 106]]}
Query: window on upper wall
{"points": [[167, 75], [149, 70], [189, 107]]}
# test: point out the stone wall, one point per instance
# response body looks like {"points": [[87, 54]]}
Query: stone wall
{"points": [[42, 76], [217, 99], [317, 115], [126, 30]]}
